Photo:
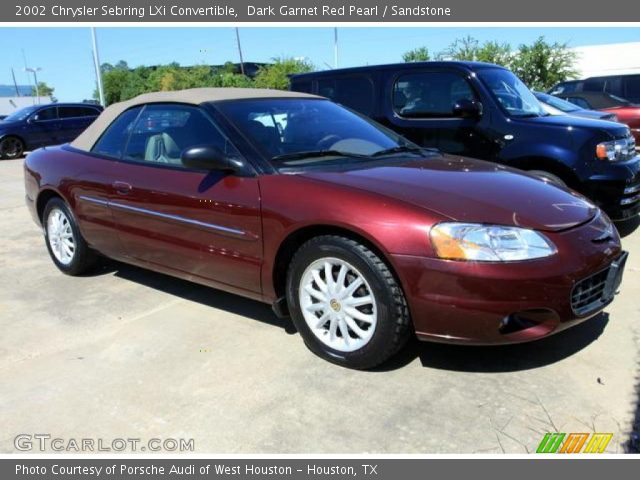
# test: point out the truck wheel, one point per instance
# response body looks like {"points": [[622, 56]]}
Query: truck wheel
{"points": [[10, 148], [67, 248], [346, 303], [548, 177]]}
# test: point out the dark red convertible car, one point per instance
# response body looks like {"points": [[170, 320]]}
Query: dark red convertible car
{"points": [[361, 236]]}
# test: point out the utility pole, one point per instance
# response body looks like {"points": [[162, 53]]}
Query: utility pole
{"points": [[96, 63], [15, 84], [335, 47], [35, 80], [240, 51]]}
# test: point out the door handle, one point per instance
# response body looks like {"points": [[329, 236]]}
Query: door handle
{"points": [[122, 188]]}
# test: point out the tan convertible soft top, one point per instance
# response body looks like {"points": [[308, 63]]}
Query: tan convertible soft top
{"points": [[194, 96]]}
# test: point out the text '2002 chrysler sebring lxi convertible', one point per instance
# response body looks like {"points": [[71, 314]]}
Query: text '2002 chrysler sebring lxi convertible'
{"points": [[359, 235]]}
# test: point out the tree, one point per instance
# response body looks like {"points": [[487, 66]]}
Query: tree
{"points": [[542, 65], [44, 90], [494, 52], [277, 74], [463, 49], [420, 54]]}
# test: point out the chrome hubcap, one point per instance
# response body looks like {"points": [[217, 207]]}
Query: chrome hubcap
{"points": [[60, 236], [338, 304]]}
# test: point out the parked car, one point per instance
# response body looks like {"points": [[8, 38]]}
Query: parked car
{"points": [[623, 86], [360, 235], [626, 112], [40, 125], [485, 111], [557, 106]]}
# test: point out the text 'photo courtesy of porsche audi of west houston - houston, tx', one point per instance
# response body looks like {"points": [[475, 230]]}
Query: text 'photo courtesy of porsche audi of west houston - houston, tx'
{"points": [[361, 236]]}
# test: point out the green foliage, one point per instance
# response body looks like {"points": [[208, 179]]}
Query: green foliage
{"points": [[44, 90], [277, 74], [420, 54], [540, 65], [122, 83]]}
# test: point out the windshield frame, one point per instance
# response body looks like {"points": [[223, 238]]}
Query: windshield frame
{"points": [[494, 96], [340, 162], [31, 110]]}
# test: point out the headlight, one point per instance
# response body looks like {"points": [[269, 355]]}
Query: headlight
{"points": [[488, 243], [616, 150]]}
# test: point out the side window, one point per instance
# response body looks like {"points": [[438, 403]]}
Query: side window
{"points": [[354, 92], [429, 95], [162, 132], [304, 87], [114, 139], [594, 85], [580, 102], [75, 112], [47, 114], [632, 88]]}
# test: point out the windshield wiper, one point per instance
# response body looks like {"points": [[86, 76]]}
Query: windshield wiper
{"points": [[404, 148], [316, 153]]}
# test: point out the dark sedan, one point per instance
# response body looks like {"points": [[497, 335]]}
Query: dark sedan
{"points": [[568, 108], [41, 125], [360, 235]]}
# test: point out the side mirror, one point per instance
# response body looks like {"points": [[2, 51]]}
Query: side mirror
{"points": [[209, 157], [465, 108], [33, 118]]}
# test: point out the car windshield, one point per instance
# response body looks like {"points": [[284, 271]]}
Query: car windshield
{"points": [[556, 102], [299, 132], [512, 95], [21, 114]]}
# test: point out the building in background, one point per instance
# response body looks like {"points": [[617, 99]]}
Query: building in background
{"points": [[8, 105], [608, 59], [10, 90]]}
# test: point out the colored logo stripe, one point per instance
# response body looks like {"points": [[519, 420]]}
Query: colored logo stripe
{"points": [[598, 442], [550, 443], [574, 443]]}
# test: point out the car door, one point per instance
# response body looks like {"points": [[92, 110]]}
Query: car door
{"points": [[201, 225], [44, 128], [420, 106]]}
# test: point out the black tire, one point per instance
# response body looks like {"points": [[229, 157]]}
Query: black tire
{"points": [[550, 177], [11, 147], [393, 324], [83, 257]]}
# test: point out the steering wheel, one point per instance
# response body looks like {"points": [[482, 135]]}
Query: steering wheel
{"points": [[326, 142]]}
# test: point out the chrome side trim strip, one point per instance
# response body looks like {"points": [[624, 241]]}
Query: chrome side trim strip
{"points": [[99, 201], [177, 218]]}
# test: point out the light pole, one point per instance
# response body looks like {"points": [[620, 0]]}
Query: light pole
{"points": [[96, 64], [35, 79]]}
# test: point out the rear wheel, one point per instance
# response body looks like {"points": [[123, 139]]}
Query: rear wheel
{"points": [[11, 147], [68, 250], [346, 303], [548, 177]]}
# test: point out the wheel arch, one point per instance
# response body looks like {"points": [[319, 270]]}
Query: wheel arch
{"points": [[295, 239], [550, 165], [43, 198]]}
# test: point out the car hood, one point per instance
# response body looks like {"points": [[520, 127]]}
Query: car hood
{"points": [[468, 190], [568, 121]]}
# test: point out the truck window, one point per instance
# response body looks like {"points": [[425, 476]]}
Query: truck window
{"points": [[632, 88], [428, 95], [354, 92]]}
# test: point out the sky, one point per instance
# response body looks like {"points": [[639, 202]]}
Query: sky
{"points": [[65, 56]]}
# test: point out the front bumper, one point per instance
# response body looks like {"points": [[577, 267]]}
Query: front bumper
{"points": [[617, 190], [499, 303]]}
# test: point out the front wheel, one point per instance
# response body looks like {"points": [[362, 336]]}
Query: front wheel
{"points": [[10, 148], [67, 248], [346, 303]]}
